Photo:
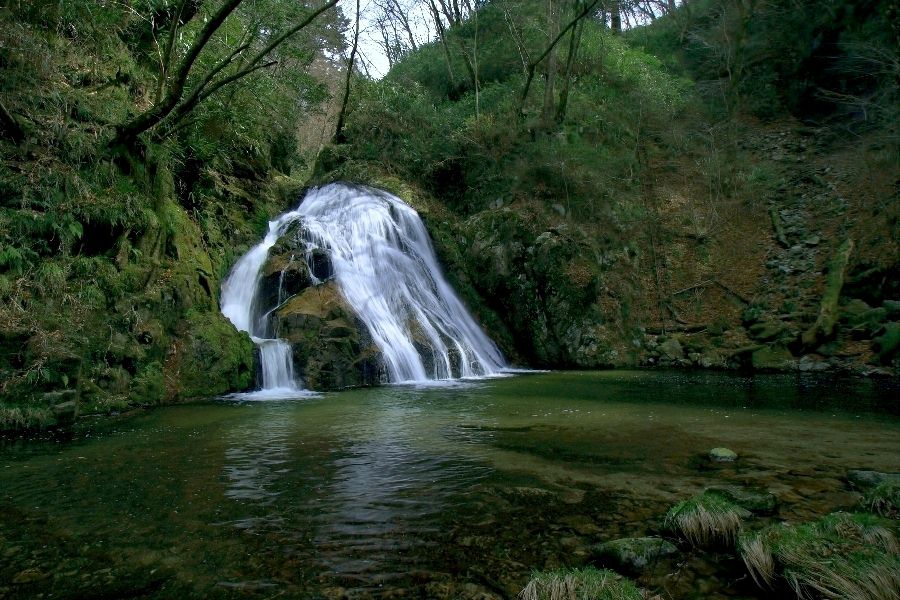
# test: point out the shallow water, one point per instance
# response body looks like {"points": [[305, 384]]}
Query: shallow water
{"points": [[449, 492]]}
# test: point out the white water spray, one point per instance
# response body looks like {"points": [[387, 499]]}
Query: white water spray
{"points": [[386, 270]]}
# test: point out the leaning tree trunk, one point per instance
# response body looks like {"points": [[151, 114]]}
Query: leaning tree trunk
{"points": [[339, 137]]}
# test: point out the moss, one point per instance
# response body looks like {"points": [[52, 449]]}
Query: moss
{"points": [[887, 344], [210, 358], [842, 555], [25, 418], [707, 518], [884, 498], [149, 386], [579, 584]]}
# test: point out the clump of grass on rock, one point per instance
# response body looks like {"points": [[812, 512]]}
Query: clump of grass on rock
{"points": [[579, 584], [707, 518], [842, 555], [884, 498]]}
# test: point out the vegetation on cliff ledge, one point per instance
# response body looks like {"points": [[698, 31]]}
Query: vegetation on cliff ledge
{"points": [[674, 194]]}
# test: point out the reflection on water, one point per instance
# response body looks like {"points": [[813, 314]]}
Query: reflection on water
{"points": [[451, 492], [257, 455]]}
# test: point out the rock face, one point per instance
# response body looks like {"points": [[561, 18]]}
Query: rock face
{"points": [[302, 304]]}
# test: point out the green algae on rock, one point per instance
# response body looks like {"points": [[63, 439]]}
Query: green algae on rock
{"points": [[634, 554], [579, 584]]}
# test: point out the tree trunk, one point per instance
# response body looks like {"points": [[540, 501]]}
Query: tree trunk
{"points": [[549, 88], [615, 16], [574, 43], [339, 137], [823, 328], [443, 36], [533, 65], [130, 130]]}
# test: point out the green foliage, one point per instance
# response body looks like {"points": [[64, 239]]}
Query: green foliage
{"points": [[814, 59], [103, 251]]}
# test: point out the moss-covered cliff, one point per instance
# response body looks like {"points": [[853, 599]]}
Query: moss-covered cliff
{"points": [[653, 206]]}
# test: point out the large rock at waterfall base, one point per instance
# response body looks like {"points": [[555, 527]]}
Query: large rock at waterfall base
{"points": [[331, 347]]}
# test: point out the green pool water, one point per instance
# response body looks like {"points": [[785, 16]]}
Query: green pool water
{"points": [[455, 491]]}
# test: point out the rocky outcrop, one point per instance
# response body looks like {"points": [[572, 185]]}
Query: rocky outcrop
{"points": [[302, 304]]}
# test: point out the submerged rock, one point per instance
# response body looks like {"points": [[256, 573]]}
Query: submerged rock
{"points": [[634, 554], [865, 480], [762, 503], [722, 455]]}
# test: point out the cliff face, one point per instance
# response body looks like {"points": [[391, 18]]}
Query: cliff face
{"points": [[646, 226], [791, 268]]}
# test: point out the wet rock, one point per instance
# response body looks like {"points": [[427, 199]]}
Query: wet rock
{"points": [[722, 455], [761, 503], [809, 364], [633, 554], [772, 358], [864, 480], [581, 524], [887, 344], [331, 347], [671, 349], [28, 576]]}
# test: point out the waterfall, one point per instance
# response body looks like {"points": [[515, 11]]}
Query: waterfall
{"points": [[385, 268], [238, 293]]}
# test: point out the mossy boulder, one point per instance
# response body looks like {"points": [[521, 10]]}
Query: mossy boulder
{"points": [[633, 554], [331, 346], [722, 455], [757, 502], [772, 358], [210, 357], [588, 583], [887, 344], [865, 479]]}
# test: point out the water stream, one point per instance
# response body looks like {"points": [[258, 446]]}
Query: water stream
{"points": [[444, 493], [386, 269]]}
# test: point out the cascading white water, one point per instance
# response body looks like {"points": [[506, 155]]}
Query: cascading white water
{"points": [[238, 292], [386, 269]]}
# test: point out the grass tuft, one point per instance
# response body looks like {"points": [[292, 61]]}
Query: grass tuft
{"points": [[852, 557], [707, 518], [20, 418], [884, 499], [579, 584]]}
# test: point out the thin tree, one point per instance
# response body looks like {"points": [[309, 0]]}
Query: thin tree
{"points": [[574, 43], [339, 137], [533, 64], [176, 104]]}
